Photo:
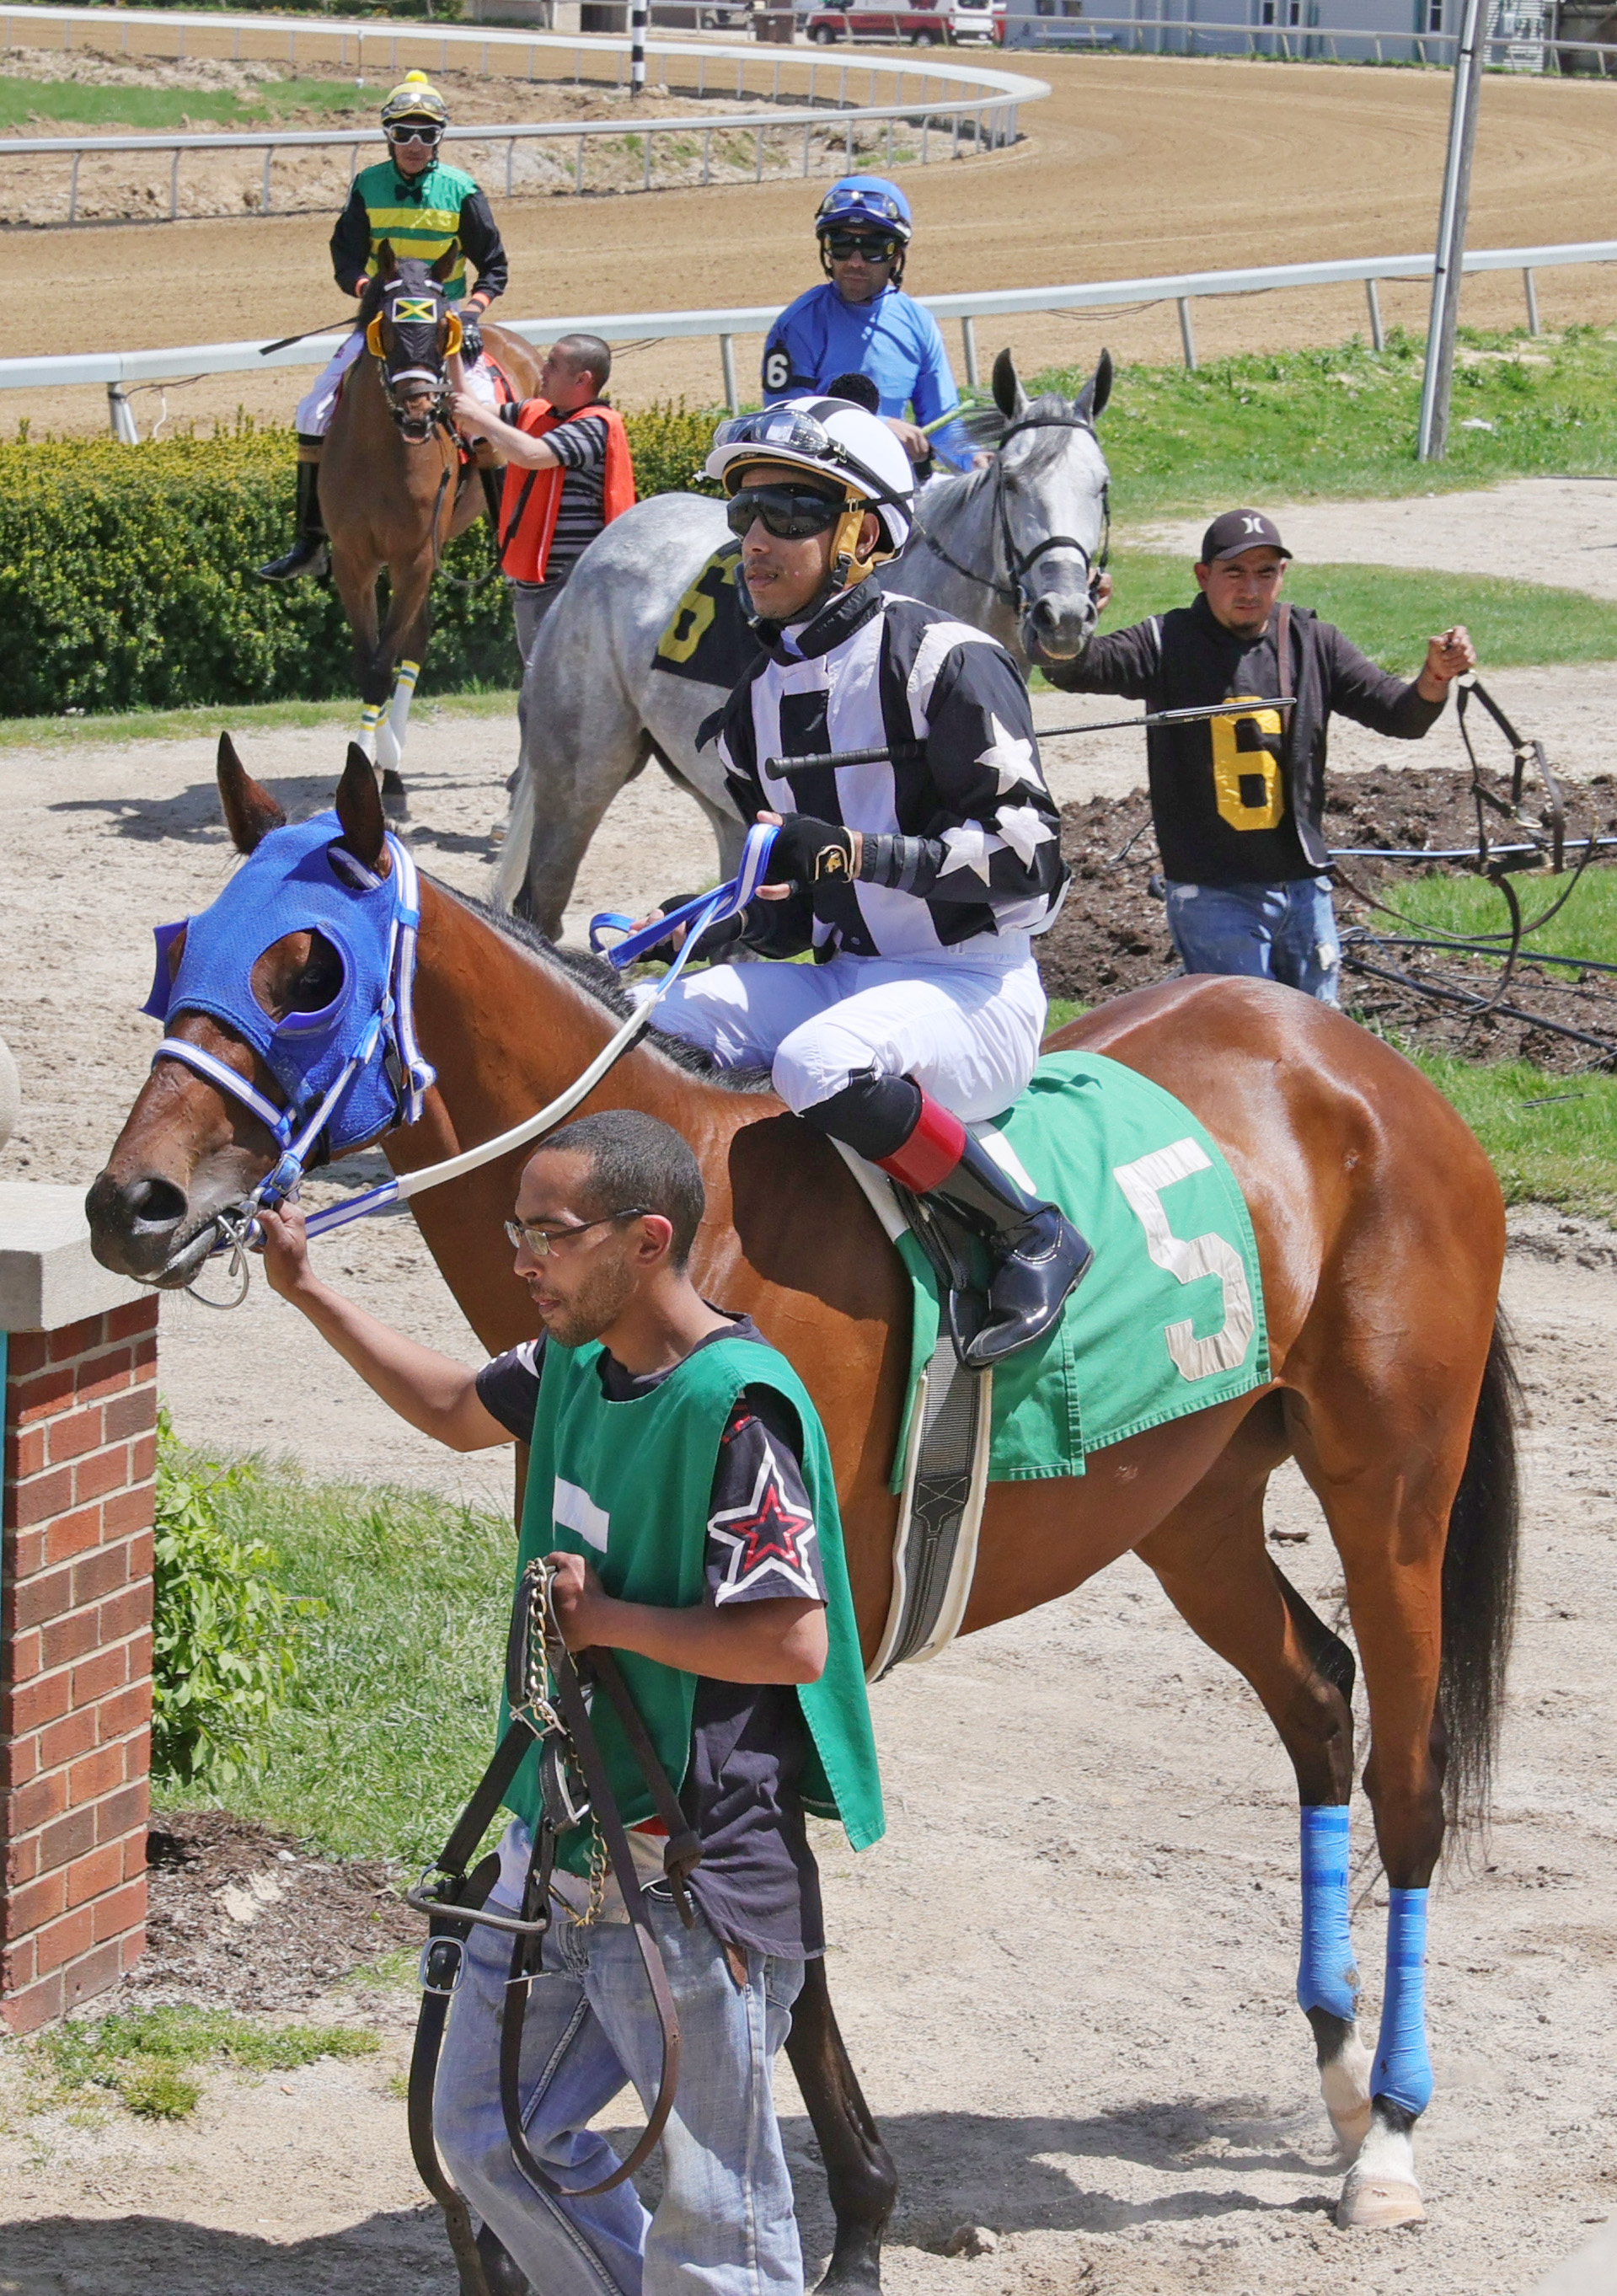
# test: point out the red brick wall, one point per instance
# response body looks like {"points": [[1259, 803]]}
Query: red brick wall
{"points": [[75, 1658]]}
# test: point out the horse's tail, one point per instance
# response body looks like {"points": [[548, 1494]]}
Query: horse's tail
{"points": [[511, 872], [1480, 1587]]}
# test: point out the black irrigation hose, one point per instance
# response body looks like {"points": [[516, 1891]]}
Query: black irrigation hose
{"points": [[1477, 1006]]}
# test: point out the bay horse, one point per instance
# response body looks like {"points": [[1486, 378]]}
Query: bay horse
{"points": [[1013, 548], [394, 490], [1380, 1233]]}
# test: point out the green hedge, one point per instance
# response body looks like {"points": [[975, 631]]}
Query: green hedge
{"points": [[127, 580]]}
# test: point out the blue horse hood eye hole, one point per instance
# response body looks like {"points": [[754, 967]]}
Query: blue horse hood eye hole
{"points": [[308, 989]]}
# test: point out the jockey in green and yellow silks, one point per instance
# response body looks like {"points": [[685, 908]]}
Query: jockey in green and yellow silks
{"points": [[423, 208]]}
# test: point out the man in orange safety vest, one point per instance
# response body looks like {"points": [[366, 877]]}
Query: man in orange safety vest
{"points": [[568, 474]]}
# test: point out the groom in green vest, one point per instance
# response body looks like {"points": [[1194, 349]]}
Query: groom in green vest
{"points": [[680, 1480]]}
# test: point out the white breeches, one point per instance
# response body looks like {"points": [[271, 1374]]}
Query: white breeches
{"points": [[968, 1033], [317, 406]]}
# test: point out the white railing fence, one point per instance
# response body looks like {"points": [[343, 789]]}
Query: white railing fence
{"points": [[947, 102], [119, 370], [1507, 49]]}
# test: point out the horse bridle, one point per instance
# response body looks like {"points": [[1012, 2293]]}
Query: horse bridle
{"points": [[1020, 563], [416, 426]]}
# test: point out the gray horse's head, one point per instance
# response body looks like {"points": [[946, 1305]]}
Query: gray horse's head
{"points": [[1052, 517]]}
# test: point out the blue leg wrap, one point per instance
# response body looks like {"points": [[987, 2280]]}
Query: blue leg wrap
{"points": [[1326, 1978], [1403, 2070]]}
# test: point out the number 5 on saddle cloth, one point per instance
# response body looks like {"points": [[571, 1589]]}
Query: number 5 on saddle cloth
{"points": [[550, 1697]]}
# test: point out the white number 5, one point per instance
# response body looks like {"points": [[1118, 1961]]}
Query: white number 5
{"points": [[1143, 1182]]}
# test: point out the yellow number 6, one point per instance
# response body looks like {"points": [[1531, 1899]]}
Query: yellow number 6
{"points": [[1233, 767]]}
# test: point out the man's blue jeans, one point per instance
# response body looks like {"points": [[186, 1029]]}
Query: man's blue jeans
{"points": [[725, 2226], [1270, 932]]}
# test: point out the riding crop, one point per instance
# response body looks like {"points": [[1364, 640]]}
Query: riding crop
{"points": [[901, 751]]}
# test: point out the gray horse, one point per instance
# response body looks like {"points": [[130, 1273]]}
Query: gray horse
{"points": [[1010, 547]]}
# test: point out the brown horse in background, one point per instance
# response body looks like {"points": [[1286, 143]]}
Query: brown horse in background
{"points": [[394, 490], [1381, 1235]]}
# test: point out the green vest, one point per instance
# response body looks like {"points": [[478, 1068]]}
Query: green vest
{"points": [[424, 222], [629, 1485]]}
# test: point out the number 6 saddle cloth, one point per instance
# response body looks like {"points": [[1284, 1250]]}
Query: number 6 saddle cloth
{"points": [[1169, 1321]]}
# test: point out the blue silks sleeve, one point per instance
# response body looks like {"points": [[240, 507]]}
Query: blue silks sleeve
{"points": [[1403, 2069], [933, 393], [792, 356], [1326, 1977]]}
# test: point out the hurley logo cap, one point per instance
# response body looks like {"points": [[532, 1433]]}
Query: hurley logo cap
{"points": [[1238, 530]]}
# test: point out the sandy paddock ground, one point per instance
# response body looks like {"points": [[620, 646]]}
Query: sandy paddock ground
{"points": [[1135, 166], [1066, 1974]]}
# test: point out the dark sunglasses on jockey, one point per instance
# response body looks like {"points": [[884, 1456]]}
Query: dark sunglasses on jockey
{"points": [[427, 135], [789, 428], [791, 513], [841, 245]]}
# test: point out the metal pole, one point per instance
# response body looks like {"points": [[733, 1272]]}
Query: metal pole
{"points": [[638, 14], [1185, 335], [968, 340], [1531, 285], [1372, 298], [727, 355], [121, 415], [1439, 382]]}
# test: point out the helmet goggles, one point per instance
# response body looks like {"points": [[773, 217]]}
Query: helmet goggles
{"points": [[792, 432], [850, 204], [791, 513], [415, 131]]}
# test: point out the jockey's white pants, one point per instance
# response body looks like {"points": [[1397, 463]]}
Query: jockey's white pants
{"points": [[317, 406], [968, 1032]]}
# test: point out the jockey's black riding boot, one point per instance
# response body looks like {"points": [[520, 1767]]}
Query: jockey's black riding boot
{"points": [[309, 553], [1038, 1255]]}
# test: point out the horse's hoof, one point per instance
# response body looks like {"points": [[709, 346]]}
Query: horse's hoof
{"points": [[1378, 2204], [395, 798]]}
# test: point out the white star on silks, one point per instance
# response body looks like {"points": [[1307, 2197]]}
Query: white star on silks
{"points": [[969, 845], [1025, 831], [1009, 760]]}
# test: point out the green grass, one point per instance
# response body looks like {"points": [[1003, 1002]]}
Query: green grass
{"points": [[208, 718], [24, 101], [392, 1717], [146, 2056], [1552, 1139], [1468, 904], [1342, 420], [1390, 612]]}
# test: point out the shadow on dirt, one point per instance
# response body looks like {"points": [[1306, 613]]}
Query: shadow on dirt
{"points": [[155, 2255]]}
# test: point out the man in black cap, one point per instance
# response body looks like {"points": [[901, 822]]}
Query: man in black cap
{"points": [[1237, 800]]}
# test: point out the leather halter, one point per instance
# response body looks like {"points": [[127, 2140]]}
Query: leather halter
{"points": [[1019, 563]]}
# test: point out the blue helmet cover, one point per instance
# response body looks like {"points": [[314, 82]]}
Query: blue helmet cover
{"points": [[292, 883], [867, 200]]}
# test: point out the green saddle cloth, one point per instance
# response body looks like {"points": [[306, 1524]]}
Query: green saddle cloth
{"points": [[1169, 1318]]}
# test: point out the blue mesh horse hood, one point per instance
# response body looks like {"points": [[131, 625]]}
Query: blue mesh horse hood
{"points": [[302, 879]]}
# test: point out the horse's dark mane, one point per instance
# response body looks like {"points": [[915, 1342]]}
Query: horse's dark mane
{"points": [[605, 988]]}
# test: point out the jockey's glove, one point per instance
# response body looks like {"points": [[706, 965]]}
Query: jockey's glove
{"points": [[811, 853], [471, 337], [713, 942]]}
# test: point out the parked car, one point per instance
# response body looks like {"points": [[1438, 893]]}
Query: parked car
{"points": [[924, 23]]}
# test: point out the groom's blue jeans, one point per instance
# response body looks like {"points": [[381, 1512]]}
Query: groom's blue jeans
{"points": [[1272, 932], [725, 2226]]}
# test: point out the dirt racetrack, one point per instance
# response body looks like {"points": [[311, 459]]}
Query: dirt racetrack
{"points": [[1066, 1975], [1135, 167]]}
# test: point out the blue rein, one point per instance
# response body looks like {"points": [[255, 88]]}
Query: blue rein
{"points": [[725, 900]]}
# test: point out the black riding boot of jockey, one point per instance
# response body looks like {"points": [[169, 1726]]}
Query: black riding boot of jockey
{"points": [[1038, 1255], [309, 553]]}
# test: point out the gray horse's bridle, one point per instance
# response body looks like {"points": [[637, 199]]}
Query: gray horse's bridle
{"points": [[1019, 563]]}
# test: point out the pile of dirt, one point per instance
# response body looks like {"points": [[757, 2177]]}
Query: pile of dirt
{"points": [[244, 1918], [1113, 933]]}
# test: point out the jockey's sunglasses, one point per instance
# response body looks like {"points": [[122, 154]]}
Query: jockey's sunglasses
{"points": [[427, 135], [541, 1242], [841, 245], [790, 513]]}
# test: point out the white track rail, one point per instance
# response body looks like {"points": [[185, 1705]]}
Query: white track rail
{"points": [[118, 370], [946, 101]]}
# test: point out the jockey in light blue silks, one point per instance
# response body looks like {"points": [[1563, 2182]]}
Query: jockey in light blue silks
{"points": [[860, 322], [917, 883]]}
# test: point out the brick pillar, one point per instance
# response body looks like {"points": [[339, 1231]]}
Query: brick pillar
{"points": [[75, 1610]]}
